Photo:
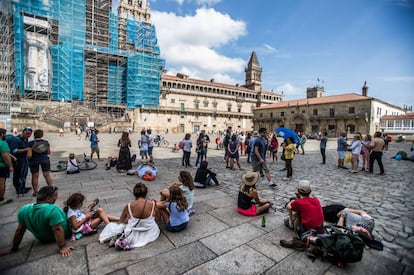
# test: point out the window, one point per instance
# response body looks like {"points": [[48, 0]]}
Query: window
{"points": [[332, 112], [351, 110], [303, 111], [197, 105], [315, 112], [260, 115], [379, 111], [169, 120], [229, 107], [182, 107], [271, 115], [172, 100], [282, 113], [331, 128], [205, 102], [239, 109]]}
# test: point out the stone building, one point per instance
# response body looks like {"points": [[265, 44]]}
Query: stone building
{"points": [[346, 112], [190, 105]]}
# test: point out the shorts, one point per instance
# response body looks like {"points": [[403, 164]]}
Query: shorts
{"points": [[143, 153], [248, 212], [4, 172], [34, 166], [95, 149], [177, 228], [256, 166], [341, 154], [150, 150]]}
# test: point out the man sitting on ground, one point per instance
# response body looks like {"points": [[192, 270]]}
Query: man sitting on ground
{"points": [[305, 213], [45, 220]]}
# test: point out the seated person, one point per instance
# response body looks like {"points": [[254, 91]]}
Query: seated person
{"points": [[204, 176], [174, 211], [111, 162], [45, 220], [305, 213], [247, 194], [72, 165], [358, 221]]}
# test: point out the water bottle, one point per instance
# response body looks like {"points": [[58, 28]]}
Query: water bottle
{"points": [[263, 221]]}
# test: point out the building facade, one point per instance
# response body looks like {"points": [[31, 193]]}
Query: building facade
{"points": [[316, 113], [190, 105]]}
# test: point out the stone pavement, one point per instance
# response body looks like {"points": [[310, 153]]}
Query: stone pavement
{"points": [[218, 240]]}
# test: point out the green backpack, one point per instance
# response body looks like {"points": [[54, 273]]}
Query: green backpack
{"points": [[337, 245]]}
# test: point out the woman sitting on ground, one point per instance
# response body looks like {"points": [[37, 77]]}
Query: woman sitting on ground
{"points": [[72, 166], [204, 176], [186, 184], [247, 193], [139, 217], [174, 212]]}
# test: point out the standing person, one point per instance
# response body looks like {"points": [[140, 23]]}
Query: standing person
{"points": [[289, 155], [21, 166], [206, 141], [45, 220], [95, 144], [150, 143], [233, 152], [365, 152], [200, 149], [226, 141], [40, 157], [377, 146], [324, 141], [248, 147], [275, 145], [187, 145], [302, 142], [356, 151], [6, 166], [342, 146], [143, 145], [259, 156], [247, 194], [124, 156], [242, 140], [305, 213]]}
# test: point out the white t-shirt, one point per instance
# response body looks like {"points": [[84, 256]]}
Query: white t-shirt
{"points": [[72, 165]]}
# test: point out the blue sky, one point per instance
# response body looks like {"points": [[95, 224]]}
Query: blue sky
{"points": [[341, 42]]}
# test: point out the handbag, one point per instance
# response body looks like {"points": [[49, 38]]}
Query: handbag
{"points": [[123, 243]]}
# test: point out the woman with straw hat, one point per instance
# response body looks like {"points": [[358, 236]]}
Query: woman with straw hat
{"points": [[247, 193]]}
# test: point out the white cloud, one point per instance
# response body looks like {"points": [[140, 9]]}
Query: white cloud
{"points": [[269, 48], [199, 2], [192, 42], [291, 91]]}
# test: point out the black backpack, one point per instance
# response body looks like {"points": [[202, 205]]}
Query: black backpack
{"points": [[337, 244]]}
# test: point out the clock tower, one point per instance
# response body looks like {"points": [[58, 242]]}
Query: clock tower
{"points": [[253, 74]]}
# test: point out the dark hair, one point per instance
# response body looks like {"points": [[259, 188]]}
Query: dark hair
{"points": [[177, 195], [38, 133], [203, 164], [74, 201], [291, 139], [187, 136], [187, 179], [233, 138], [262, 130], [3, 131], [140, 190], [45, 192]]}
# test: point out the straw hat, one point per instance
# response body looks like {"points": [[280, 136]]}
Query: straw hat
{"points": [[250, 178]]}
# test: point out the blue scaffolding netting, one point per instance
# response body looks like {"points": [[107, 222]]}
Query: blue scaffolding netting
{"points": [[132, 75]]}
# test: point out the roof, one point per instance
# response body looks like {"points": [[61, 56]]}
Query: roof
{"points": [[409, 115], [213, 83], [317, 100]]}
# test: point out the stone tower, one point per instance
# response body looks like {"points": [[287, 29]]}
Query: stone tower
{"points": [[253, 74], [314, 92]]}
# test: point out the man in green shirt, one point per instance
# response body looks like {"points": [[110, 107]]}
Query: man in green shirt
{"points": [[6, 165], [45, 220]]}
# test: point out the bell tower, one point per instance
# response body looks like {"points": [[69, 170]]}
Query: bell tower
{"points": [[253, 74]]}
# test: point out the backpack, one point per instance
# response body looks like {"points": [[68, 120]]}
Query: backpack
{"points": [[91, 137], [337, 245], [13, 142], [330, 212]]}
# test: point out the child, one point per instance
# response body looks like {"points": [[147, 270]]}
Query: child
{"points": [[85, 222], [204, 176], [186, 184], [72, 165], [289, 153], [173, 211]]}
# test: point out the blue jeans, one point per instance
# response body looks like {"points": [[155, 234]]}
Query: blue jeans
{"points": [[177, 228], [200, 157]]}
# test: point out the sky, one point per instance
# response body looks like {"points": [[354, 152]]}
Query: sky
{"points": [[338, 44]]}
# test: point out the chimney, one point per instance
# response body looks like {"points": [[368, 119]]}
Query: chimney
{"points": [[365, 89]]}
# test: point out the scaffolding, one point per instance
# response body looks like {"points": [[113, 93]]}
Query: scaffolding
{"points": [[81, 52]]}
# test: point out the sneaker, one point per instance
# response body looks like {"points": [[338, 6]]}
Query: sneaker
{"points": [[271, 183], [5, 201], [287, 223], [286, 178], [294, 244]]}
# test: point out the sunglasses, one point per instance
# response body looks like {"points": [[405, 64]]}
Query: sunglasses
{"points": [[28, 129]]}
